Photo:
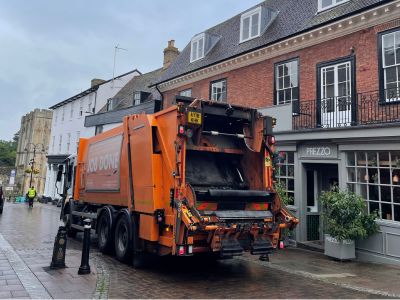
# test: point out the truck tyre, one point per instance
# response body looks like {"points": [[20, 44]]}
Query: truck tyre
{"points": [[105, 232], [123, 238], [67, 218]]}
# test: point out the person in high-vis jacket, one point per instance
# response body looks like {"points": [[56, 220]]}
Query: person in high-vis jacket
{"points": [[31, 194]]}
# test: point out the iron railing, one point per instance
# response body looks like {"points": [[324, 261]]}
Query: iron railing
{"points": [[376, 107]]}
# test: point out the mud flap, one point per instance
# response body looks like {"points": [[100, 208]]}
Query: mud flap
{"points": [[230, 247], [261, 245]]}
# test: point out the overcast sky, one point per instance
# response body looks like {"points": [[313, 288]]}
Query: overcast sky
{"points": [[50, 50]]}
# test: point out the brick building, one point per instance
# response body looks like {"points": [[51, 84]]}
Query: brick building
{"points": [[329, 71]]}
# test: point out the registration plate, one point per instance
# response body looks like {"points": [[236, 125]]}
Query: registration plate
{"points": [[194, 117]]}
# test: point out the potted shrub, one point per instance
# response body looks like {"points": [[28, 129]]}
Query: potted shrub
{"points": [[345, 219], [280, 189]]}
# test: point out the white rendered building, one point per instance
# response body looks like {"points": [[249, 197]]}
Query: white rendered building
{"points": [[68, 123]]}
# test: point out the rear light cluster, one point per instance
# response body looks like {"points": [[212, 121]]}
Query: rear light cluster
{"points": [[183, 131], [281, 245], [185, 250]]}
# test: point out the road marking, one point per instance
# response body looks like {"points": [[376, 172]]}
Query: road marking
{"points": [[30, 282], [322, 278]]}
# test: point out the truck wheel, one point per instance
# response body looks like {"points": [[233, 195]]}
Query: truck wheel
{"points": [[123, 238], [105, 233], [67, 218]]}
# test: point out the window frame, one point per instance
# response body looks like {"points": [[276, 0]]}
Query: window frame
{"points": [[63, 114], [196, 40], [381, 71], [60, 143], [334, 4], [80, 108], [98, 129], [226, 89], [136, 93], [183, 92], [320, 66], [71, 112], [365, 171], [285, 178], [110, 104], [276, 65], [68, 142], [250, 15]]}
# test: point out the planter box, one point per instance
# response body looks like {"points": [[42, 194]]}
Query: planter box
{"points": [[342, 250]]}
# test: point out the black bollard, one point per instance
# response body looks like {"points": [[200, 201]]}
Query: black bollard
{"points": [[85, 268], [264, 257], [60, 245]]}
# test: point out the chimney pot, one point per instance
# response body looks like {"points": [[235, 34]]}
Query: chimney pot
{"points": [[96, 81], [170, 54]]}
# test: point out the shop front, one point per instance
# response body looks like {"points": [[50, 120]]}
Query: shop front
{"points": [[370, 168]]}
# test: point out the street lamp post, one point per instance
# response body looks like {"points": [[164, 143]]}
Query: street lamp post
{"points": [[32, 161]]}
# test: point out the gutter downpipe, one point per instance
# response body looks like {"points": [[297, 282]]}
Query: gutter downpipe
{"points": [[95, 99], [162, 97]]}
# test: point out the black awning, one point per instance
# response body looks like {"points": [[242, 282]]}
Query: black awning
{"points": [[57, 159]]}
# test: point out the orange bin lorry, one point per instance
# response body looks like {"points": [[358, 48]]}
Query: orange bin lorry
{"points": [[195, 178]]}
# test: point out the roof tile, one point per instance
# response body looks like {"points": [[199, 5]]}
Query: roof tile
{"points": [[294, 16]]}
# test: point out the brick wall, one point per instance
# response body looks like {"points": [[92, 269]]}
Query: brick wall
{"points": [[254, 85]]}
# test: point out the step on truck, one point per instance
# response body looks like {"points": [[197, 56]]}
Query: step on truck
{"points": [[195, 178]]}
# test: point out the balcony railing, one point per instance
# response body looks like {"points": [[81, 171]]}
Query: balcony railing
{"points": [[377, 107]]}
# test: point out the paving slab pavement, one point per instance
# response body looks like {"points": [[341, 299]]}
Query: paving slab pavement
{"points": [[10, 285], [373, 278], [26, 248]]}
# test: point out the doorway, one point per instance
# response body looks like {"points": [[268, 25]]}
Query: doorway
{"points": [[319, 178]]}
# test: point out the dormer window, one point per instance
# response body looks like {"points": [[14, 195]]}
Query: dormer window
{"points": [[255, 22], [250, 25], [111, 104], [202, 44], [140, 97], [326, 4], [197, 47]]}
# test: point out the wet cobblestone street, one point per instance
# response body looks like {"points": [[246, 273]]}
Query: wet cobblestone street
{"points": [[31, 235]]}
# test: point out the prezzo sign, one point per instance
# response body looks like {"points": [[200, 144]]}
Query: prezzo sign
{"points": [[319, 151]]}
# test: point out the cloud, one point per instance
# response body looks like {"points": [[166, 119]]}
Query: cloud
{"points": [[50, 50]]}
